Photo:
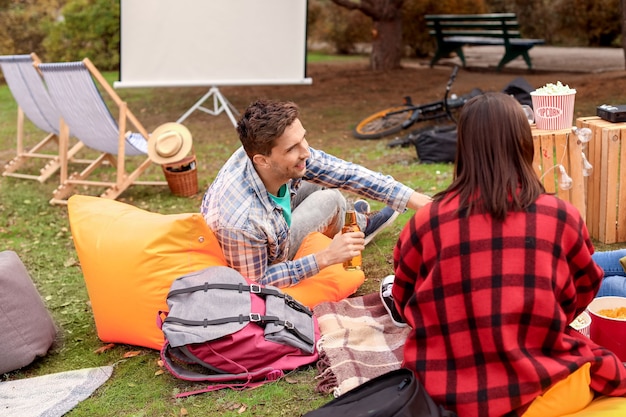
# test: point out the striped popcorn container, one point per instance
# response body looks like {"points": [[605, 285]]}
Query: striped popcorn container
{"points": [[582, 323], [553, 111]]}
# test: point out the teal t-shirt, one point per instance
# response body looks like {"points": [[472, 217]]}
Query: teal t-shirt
{"points": [[284, 200]]}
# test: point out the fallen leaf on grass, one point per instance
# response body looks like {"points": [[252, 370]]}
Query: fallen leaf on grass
{"points": [[183, 412], [104, 348], [132, 354], [159, 372], [242, 409], [70, 262]]}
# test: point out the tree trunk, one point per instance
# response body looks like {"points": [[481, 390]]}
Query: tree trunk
{"points": [[623, 5], [387, 45]]}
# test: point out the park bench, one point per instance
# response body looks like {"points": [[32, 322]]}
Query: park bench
{"points": [[453, 31]]}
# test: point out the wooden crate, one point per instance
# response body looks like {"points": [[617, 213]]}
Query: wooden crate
{"points": [[606, 194], [560, 147]]}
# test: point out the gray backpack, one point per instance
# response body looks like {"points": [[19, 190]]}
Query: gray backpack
{"points": [[223, 329]]}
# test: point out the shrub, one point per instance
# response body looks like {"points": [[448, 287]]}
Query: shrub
{"points": [[23, 26], [588, 22], [89, 28], [340, 28]]}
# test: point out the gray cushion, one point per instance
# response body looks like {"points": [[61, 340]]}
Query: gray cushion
{"points": [[26, 327]]}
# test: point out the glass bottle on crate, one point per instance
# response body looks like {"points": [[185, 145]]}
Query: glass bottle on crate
{"points": [[350, 225]]}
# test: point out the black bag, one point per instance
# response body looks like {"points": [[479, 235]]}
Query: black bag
{"points": [[437, 144], [397, 393], [520, 89]]}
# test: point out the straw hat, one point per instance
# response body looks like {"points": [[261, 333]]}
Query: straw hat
{"points": [[169, 143]]}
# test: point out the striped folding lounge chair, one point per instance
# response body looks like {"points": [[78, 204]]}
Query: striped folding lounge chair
{"points": [[73, 87], [34, 104]]}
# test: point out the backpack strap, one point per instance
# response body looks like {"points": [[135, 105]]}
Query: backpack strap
{"points": [[289, 300], [247, 379], [252, 318], [291, 328], [252, 288]]}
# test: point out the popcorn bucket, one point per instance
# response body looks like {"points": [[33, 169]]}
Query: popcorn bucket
{"points": [[554, 111], [607, 331], [582, 323]]}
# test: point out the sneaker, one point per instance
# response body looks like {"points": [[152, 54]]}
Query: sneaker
{"points": [[377, 221], [362, 206], [387, 299]]}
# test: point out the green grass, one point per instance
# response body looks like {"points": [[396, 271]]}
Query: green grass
{"points": [[321, 57], [40, 234]]}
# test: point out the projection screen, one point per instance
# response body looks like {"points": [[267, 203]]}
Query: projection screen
{"points": [[170, 43]]}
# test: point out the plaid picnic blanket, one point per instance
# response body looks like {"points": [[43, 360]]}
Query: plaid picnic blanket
{"points": [[358, 342]]}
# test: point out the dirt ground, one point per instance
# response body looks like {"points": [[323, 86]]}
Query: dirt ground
{"points": [[356, 85], [342, 93]]}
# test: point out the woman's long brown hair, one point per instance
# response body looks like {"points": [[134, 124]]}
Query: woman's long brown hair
{"points": [[493, 169]]}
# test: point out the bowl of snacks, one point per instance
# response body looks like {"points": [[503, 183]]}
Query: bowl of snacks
{"points": [[582, 323], [608, 324]]}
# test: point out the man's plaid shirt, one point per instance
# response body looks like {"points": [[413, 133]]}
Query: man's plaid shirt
{"points": [[250, 226]]}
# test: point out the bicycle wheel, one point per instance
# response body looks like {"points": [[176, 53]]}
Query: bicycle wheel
{"points": [[383, 123]]}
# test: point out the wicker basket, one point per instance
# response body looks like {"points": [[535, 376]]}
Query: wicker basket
{"points": [[182, 176]]}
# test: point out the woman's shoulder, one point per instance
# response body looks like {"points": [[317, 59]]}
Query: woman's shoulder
{"points": [[435, 208], [554, 206], [552, 200]]}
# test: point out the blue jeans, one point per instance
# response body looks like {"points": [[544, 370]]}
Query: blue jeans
{"points": [[614, 282], [315, 209]]}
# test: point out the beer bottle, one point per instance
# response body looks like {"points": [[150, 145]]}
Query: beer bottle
{"points": [[350, 225]]}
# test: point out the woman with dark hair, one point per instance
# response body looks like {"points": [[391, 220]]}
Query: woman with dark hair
{"points": [[490, 274]]}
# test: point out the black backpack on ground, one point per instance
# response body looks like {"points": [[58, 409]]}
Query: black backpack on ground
{"points": [[520, 89], [397, 393], [437, 144], [432, 143]]}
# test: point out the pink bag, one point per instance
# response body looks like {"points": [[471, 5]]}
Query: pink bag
{"points": [[232, 333]]}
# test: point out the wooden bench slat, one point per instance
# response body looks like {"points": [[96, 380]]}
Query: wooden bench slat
{"points": [[476, 40], [473, 24], [475, 33], [486, 16]]}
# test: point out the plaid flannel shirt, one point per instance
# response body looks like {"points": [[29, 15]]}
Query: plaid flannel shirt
{"points": [[489, 304], [250, 226]]}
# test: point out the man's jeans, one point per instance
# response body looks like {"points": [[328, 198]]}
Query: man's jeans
{"points": [[315, 209], [614, 282]]}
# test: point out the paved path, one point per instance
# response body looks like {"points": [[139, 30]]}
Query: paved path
{"points": [[546, 58]]}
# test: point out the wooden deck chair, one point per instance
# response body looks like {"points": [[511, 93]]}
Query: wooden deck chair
{"points": [[73, 87], [34, 103]]}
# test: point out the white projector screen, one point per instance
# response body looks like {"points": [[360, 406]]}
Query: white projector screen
{"points": [[181, 43]]}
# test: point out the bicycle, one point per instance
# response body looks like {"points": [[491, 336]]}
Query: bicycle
{"points": [[394, 119]]}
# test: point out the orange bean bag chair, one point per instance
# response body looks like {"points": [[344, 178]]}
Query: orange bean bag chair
{"points": [[130, 257], [572, 397]]}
